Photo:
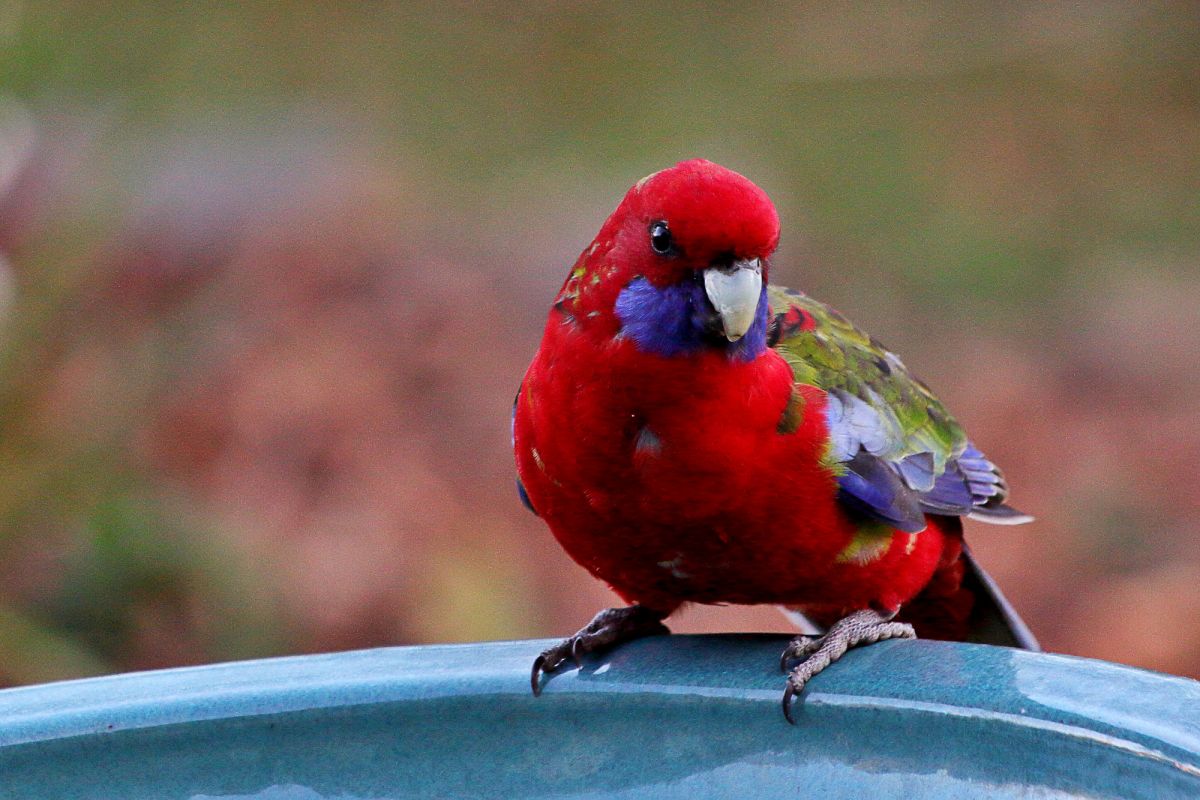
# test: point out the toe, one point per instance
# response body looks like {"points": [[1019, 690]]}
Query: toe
{"points": [[798, 649], [550, 660]]}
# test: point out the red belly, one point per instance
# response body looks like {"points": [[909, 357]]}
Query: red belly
{"points": [[670, 480]]}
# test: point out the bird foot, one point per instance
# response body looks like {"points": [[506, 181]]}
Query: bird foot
{"points": [[610, 627], [815, 653]]}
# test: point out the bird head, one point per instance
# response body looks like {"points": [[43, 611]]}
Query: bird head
{"points": [[686, 255]]}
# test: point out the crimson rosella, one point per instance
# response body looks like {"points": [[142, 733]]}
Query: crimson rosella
{"points": [[692, 434]]}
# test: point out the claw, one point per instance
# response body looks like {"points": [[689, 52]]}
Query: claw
{"points": [[609, 628], [854, 630], [535, 679], [788, 693], [577, 651], [796, 648], [799, 648]]}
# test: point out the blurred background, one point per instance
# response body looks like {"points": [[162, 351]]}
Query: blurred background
{"points": [[270, 274]]}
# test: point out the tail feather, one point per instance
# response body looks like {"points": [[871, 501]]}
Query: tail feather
{"points": [[993, 619], [1000, 514]]}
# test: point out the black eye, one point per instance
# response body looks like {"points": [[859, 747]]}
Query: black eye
{"points": [[660, 238]]}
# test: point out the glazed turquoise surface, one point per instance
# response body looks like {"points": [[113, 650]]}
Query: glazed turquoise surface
{"points": [[667, 717]]}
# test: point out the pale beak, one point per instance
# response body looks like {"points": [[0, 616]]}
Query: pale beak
{"points": [[734, 291]]}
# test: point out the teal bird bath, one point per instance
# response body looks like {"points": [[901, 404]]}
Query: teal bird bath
{"points": [[665, 717]]}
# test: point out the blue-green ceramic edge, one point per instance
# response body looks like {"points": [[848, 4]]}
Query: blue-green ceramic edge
{"points": [[1148, 714]]}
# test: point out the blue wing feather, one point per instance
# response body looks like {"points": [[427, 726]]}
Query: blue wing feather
{"points": [[900, 492], [512, 432], [898, 452], [871, 486]]}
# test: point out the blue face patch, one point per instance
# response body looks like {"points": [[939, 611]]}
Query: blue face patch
{"points": [[672, 321]]}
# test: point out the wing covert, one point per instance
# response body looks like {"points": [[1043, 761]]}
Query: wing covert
{"points": [[897, 451]]}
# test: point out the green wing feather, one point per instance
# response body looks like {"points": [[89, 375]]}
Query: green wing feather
{"points": [[897, 452], [826, 350]]}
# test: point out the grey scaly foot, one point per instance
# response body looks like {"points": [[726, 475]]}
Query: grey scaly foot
{"points": [[817, 653], [610, 627]]}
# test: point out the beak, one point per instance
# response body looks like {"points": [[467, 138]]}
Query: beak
{"points": [[734, 291]]}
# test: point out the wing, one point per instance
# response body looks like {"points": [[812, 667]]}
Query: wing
{"points": [[512, 428], [898, 453]]}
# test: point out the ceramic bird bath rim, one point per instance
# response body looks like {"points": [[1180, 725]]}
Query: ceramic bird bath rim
{"points": [[666, 716]]}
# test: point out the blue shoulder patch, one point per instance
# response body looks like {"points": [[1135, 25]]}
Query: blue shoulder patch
{"points": [[512, 433]]}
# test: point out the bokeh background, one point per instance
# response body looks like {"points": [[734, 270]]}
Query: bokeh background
{"points": [[270, 274]]}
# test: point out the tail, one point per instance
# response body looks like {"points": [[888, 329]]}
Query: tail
{"points": [[993, 620], [962, 603]]}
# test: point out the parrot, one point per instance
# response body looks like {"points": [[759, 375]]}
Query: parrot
{"points": [[691, 433]]}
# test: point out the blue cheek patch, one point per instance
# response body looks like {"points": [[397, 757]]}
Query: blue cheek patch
{"points": [[670, 321], [666, 321]]}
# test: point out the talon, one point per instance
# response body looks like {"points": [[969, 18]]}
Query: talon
{"points": [[854, 630], [535, 680], [577, 652], [786, 657], [608, 629], [788, 693]]}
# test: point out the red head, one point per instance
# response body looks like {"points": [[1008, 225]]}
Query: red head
{"points": [[681, 263], [711, 214]]}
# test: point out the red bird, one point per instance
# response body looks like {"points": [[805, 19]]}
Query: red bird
{"points": [[693, 435]]}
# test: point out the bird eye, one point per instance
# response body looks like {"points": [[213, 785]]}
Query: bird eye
{"points": [[660, 238]]}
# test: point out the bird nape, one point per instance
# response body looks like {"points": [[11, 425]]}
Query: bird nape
{"points": [[692, 434]]}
